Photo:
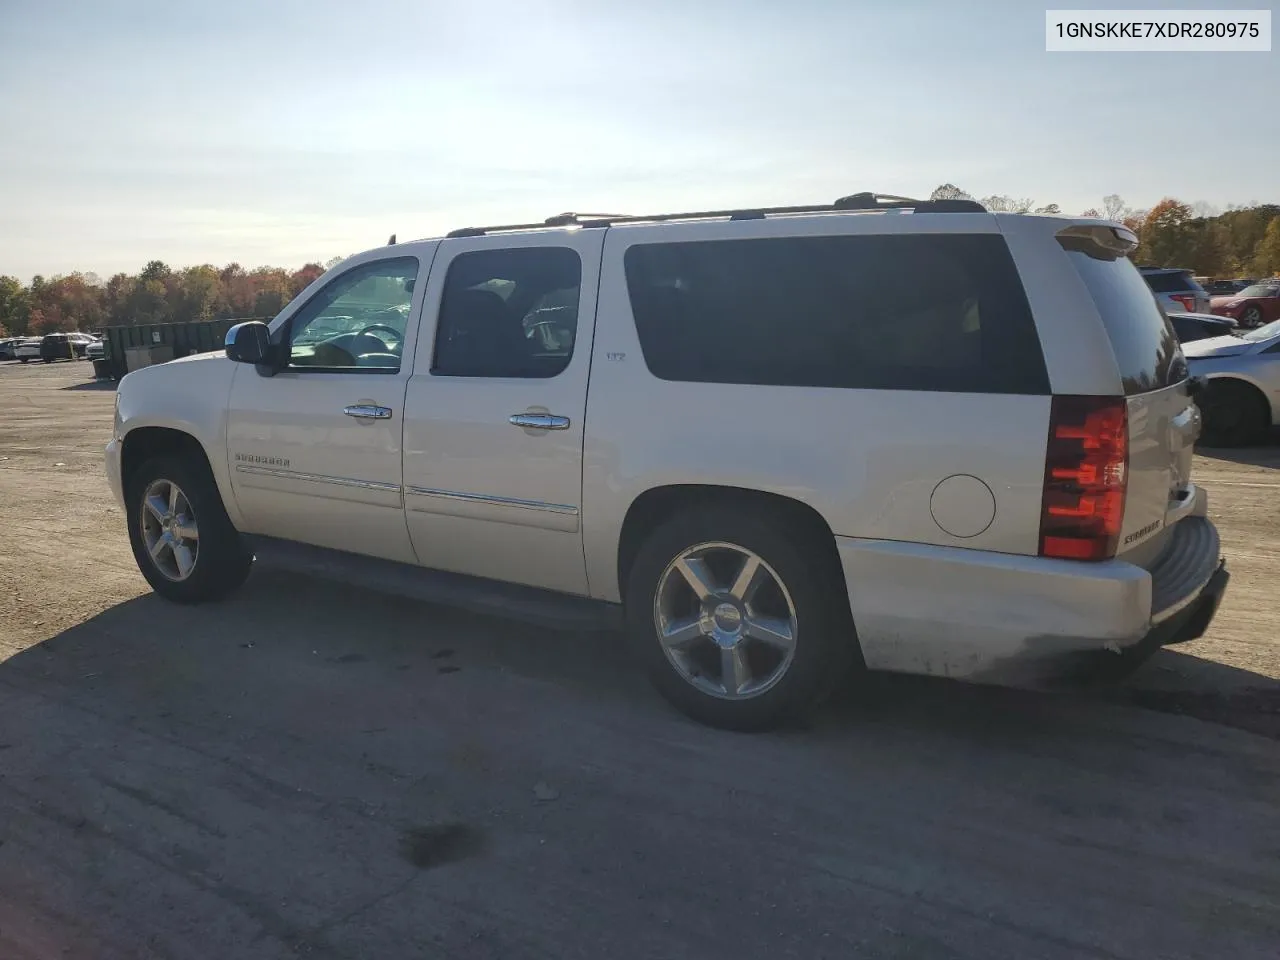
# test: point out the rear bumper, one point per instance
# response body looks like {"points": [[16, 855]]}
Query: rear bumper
{"points": [[981, 616]]}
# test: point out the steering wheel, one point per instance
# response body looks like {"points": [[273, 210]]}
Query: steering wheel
{"points": [[382, 326]]}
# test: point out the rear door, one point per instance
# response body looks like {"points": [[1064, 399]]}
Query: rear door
{"points": [[1163, 422], [494, 410]]}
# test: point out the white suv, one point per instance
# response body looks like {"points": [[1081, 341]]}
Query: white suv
{"points": [[881, 433]]}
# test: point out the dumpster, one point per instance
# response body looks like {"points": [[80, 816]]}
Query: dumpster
{"points": [[131, 347], [101, 369]]}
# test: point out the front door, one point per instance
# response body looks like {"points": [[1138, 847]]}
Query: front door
{"points": [[494, 410], [314, 451]]}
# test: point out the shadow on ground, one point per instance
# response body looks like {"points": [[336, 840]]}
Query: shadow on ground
{"points": [[92, 385], [1262, 455], [323, 771]]}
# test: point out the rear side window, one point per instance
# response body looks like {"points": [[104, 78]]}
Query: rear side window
{"points": [[1172, 282], [938, 312], [509, 313], [1144, 344]]}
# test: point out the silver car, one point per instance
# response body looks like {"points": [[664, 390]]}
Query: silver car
{"points": [[1241, 400], [1176, 289]]}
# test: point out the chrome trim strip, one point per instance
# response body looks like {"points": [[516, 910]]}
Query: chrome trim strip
{"points": [[561, 508], [318, 478]]}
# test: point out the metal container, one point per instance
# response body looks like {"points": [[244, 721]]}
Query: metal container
{"points": [[131, 347]]}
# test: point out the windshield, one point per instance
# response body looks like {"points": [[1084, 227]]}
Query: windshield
{"points": [[1265, 332], [1260, 290]]}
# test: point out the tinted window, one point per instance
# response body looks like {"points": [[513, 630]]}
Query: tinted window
{"points": [[357, 321], [1173, 282], [1145, 347], [509, 313], [1186, 330], [922, 312]]}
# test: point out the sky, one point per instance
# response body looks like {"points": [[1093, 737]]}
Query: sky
{"points": [[279, 132]]}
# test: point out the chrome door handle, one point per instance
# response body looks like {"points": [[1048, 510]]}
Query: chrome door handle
{"points": [[367, 411], [539, 421]]}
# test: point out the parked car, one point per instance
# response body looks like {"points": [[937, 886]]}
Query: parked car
{"points": [[1226, 288], [27, 350], [64, 346], [7, 346], [1176, 290], [1188, 327], [1241, 400], [1253, 306], [780, 442], [95, 349]]}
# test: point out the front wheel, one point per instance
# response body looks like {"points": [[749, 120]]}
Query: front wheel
{"points": [[737, 620], [1252, 317], [182, 539]]}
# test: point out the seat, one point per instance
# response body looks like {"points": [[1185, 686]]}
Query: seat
{"points": [[483, 339]]}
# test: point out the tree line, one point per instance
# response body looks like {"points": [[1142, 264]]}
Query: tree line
{"points": [[1242, 241], [158, 294]]}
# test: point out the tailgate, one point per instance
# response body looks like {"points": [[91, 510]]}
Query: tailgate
{"points": [[1163, 422], [1163, 425]]}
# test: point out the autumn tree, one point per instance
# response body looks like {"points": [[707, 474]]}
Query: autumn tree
{"points": [[1266, 262], [14, 306], [1164, 237]]}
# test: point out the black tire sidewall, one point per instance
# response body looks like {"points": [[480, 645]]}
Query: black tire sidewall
{"points": [[824, 649], [1248, 428], [222, 561]]}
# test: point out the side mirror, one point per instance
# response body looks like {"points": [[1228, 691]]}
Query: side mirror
{"points": [[249, 342]]}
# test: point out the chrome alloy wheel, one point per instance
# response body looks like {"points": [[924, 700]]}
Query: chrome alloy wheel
{"points": [[725, 620], [169, 530]]}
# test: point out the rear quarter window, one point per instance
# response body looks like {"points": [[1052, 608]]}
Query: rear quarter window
{"points": [[1145, 347], [935, 312]]}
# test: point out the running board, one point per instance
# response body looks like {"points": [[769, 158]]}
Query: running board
{"points": [[555, 611]]}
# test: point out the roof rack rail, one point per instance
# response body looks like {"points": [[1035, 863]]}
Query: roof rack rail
{"points": [[853, 202]]}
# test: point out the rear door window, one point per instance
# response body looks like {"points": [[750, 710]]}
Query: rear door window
{"points": [[937, 312], [1144, 344]]}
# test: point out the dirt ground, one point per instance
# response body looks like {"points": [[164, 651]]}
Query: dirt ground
{"points": [[316, 771]]}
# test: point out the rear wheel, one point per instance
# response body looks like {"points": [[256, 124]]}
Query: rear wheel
{"points": [[1235, 414], [738, 621], [1251, 317], [183, 540]]}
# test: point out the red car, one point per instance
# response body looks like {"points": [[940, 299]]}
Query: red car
{"points": [[1251, 307]]}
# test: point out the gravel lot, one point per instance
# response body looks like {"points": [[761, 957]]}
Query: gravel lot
{"points": [[327, 772]]}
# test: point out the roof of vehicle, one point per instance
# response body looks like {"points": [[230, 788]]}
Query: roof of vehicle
{"points": [[855, 203], [1148, 269]]}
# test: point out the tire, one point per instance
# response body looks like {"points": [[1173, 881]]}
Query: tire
{"points": [[24, 359], [218, 561], [1235, 415], [692, 677], [1251, 317]]}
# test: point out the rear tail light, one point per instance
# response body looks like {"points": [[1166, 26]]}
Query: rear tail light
{"points": [[1188, 301], [1085, 472]]}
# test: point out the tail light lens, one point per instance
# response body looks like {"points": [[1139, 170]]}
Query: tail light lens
{"points": [[1188, 301], [1085, 473]]}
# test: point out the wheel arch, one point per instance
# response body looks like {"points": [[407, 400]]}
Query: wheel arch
{"points": [[1236, 377], [142, 443], [658, 504]]}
